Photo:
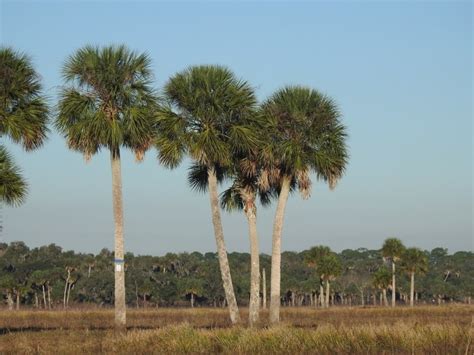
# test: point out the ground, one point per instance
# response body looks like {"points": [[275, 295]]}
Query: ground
{"points": [[424, 329]]}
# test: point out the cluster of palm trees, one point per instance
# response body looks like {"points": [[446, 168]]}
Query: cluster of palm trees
{"points": [[266, 150], [411, 260]]}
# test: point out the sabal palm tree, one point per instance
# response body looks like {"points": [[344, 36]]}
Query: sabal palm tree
{"points": [[243, 195], [392, 250], [414, 260], [329, 268], [211, 106], [23, 118], [304, 136], [108, 103], [313, 259], [381, 279]]}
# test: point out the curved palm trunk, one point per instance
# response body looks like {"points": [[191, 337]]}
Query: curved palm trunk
{"points": [[254, 266], [321, 294], [393, 285], [221, 249], [412, 288], [276, 252], [384, 293], [120, 308]]}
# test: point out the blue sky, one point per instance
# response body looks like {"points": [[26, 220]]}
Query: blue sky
{"points": [[400, 71]]}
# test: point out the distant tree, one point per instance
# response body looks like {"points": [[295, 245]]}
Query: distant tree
{"points": [[392, 250], [329, 268], [381, 279], [109, 104], [414, 261], [313, 259]]}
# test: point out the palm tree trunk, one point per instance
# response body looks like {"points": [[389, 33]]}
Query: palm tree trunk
{"points": [[221, 249], [412, 288], [17, 300], [393, 285], [321, 295], [276, 251], [120, 308], [10, 300], [264, 290], [192, 300], [44, 296], [327, 294], [385, 301], [254, 265], [49, 297]]}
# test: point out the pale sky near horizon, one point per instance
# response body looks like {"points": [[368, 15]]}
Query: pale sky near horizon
{"points": [[401, 73]]}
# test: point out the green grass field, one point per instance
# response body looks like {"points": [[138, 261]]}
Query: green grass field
{"points": [[430, 330]]}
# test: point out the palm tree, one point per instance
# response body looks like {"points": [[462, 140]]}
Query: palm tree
{"points": [[23, 118], [392, 250], [242, 195], [381, 279], [414, 261], [304, 135], [108, 104], [212, 106], [313, 259], [329, 268]]}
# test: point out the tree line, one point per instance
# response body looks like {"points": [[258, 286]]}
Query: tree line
{"points": [[51, 278]]}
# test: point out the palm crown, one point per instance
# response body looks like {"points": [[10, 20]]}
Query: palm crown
{"points": [[23, 111], [393, 249], [212, 106], [13, 188], [304, 135], [414, 260], [109, 102]]}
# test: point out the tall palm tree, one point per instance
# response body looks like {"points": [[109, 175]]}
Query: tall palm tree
{"points": [[23, 118], [381, 279], [313, 259], [392, 250], [414, 261], [211, 106], [108, 103], [304, 136]]}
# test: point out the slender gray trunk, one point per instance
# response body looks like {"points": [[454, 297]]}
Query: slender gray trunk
{"points": [[120, 307], [412, 288], [10, 301], [36, 300], [49, 296], [68, 294], [321, 295], [192, 300], [393, 285], [17, 300], [221, 249], [327, 294], [276, 251], [254, 265], [264, 290], [44, 295], [385, 300]]}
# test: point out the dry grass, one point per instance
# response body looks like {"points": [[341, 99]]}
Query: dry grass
{"points": [[434, 330]]}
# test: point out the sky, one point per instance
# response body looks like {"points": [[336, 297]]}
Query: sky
{"points": [[401, 73]]}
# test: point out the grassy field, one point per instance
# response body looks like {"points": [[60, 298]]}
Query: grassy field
{"points": [[433, 330]]}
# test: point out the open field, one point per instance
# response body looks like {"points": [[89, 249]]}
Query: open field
{"points": [[433, 329]]}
